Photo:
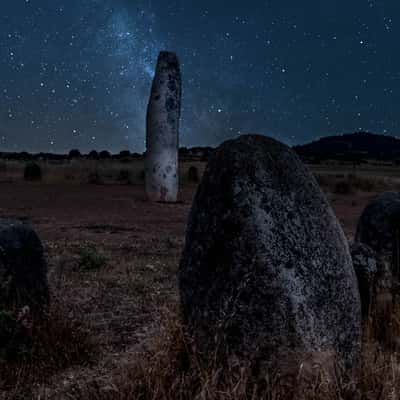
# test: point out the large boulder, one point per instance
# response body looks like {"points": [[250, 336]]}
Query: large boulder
{"points": [[23, 270], [266, 270]]}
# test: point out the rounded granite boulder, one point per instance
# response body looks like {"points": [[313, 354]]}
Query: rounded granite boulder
{"points": [[23, 270], [266, 271]]}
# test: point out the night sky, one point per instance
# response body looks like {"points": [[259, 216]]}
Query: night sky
{"points": [[77, 73]]}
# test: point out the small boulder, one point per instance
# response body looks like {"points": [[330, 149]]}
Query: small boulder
{"points": [[266, 269], [23, 270], [32, 172], [379, 229], [379, 224]]}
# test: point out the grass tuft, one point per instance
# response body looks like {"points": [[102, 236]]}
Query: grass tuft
{"points": [[53, 345]]}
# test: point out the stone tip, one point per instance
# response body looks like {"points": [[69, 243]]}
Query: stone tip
{"points": [[164, 54], [168, 57]]}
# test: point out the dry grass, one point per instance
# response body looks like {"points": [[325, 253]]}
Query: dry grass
{"points": [[54, 345], [91, 171], [345, 184], [170, 369]]}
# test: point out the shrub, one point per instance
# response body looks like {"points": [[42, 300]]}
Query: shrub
{"points": [[74, 154], [124, 176], [93, 155], [124, 154], [90, 258], [94, 178], [32, 172], [105, 155]]}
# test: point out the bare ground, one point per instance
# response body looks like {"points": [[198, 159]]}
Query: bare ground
{"points": [[121, 302]]}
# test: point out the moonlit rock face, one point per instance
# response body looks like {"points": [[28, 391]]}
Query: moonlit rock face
{"points": [[162, 139], [266, 270]]}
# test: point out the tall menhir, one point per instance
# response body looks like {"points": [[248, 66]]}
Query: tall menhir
{"points": [[162, 137]]}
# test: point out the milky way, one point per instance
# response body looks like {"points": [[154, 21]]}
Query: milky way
{"points": [[77, 73]]}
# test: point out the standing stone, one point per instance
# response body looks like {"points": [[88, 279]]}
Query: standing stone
{"points": [[266, 271], [23, 270], [162, 138]]}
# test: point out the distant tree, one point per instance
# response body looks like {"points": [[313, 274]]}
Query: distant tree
{"points": [[183, 152], [25, 156], [93, 155], [74, 154], [124, 154], [104, 154]]}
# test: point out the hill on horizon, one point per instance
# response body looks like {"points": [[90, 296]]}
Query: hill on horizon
{"points": [[351, 147]]}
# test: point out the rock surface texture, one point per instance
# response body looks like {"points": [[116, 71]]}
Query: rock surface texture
{"points": [[23, 270], [162, 137], [379, 228], [365, 262], [266, 270]]}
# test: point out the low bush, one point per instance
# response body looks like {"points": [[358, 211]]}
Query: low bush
{"points": [[94, 178], [32, 172], [124, 176], [90, 258]]}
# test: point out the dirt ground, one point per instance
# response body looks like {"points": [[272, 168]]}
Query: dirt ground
{"points": [[122, 301]]}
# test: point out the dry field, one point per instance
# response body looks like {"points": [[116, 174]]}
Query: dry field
{"points": [[113, 259]]}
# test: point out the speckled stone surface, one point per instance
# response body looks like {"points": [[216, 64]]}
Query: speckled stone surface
{"points": [[266, 269], [23, 270], [162, 135], [365, 262]]}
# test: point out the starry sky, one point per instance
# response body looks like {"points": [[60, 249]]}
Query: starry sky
{"points": [[77, 73]]}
